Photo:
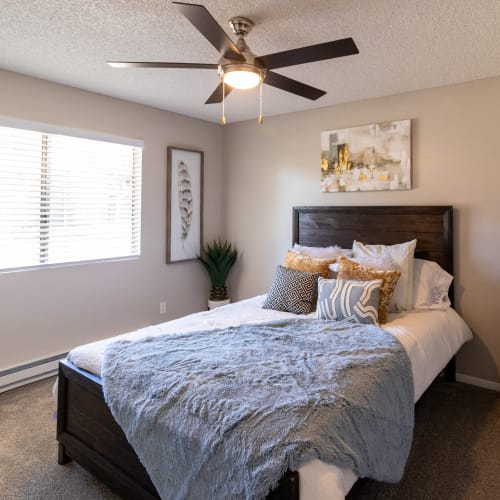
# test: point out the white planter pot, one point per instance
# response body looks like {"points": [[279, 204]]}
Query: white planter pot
{"points": [[212, 304]]}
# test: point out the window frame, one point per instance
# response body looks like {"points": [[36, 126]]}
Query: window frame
{"points": [[47, 129]]}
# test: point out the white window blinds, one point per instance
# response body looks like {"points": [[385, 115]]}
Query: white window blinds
{"points": [[67, 199]]}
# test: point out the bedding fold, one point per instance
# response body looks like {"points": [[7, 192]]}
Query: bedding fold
{"points": [[224, 413]]}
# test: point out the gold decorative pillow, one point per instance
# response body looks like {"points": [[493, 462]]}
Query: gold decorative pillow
{"points": [[350, 270], [304, 263]]}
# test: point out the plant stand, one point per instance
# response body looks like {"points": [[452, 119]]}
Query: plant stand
{"points": [[212, 304]]}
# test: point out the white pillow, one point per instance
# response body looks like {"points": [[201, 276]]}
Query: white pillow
{"points": [[430, 285], [331, 252], [400, 257]]}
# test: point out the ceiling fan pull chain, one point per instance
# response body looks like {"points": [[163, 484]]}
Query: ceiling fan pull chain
{"points": [[261, 119], [223, 121]]}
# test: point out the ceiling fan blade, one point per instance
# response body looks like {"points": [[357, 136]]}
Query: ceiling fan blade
{"points": [[203, 21], [217, 94], [312, 53], [293, 86], [150, 64]]}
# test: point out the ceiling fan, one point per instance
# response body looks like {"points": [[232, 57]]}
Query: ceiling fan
{"points": [[239, 67]]}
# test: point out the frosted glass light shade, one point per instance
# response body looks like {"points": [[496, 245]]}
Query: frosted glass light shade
{"points": [[241, 78]]}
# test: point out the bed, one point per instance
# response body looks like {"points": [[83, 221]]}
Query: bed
{"points": [[88, 433]]}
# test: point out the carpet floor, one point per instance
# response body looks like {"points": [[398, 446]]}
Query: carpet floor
{"points": [[28, 451], [455, 453]]}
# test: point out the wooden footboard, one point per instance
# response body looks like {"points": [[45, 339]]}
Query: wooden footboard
{"points": [[88, 434]]}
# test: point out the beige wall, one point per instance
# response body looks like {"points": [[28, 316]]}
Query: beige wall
{"points": [[456, 161], [267, 170], [46, 312]]}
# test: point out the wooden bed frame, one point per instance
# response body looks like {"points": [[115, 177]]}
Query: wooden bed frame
{"points": [[88, 433]]}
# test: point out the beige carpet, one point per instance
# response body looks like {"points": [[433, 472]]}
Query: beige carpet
{"points": [[455, 453], [28, 451]]}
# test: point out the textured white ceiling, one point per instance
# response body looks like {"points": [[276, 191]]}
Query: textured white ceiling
{"points": [[404, 45]]}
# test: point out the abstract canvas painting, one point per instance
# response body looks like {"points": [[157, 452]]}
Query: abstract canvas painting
{"points": [[373, 157], [184, 204]]}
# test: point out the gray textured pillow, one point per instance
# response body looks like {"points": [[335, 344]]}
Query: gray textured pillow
{"points": [[292, 291], [355, 301]]}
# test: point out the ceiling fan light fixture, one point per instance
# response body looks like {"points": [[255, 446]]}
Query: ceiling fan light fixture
{"points": [[241, 76], [238, 67], [242, 79]]}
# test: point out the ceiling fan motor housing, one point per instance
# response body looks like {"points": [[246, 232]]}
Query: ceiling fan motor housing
{"points": [[241, 26]]}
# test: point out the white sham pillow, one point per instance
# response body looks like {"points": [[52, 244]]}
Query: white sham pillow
{"points": [[400, 257], [430, 285], [331, 252]]}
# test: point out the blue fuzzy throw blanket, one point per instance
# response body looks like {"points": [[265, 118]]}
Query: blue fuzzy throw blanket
{"points": [[224, 414]]}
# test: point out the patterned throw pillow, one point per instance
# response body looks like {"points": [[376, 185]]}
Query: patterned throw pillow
{"points": [[350, 270], [304, 263], [355, 301], [292, 291]]}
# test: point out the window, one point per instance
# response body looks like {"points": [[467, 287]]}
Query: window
{"points": [[67, 199]]}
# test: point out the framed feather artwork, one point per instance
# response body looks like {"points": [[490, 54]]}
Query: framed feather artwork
{"points": [[184, 204]]}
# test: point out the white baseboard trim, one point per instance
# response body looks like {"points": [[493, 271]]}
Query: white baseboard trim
{"points": [[31, 372], [480, 382]]}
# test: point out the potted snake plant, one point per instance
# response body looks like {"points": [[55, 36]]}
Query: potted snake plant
{"points": [[218, 258]]}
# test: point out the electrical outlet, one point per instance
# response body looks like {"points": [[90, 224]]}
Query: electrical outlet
{"points": [[163, 307]]}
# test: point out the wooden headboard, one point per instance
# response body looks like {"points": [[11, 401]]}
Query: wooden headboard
{"points": [[432, 226]]}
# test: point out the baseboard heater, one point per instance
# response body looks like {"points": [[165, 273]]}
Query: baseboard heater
{"points": [[29, 372]]}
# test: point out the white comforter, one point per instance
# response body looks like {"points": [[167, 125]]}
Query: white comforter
{"points": [[430, 338]]}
